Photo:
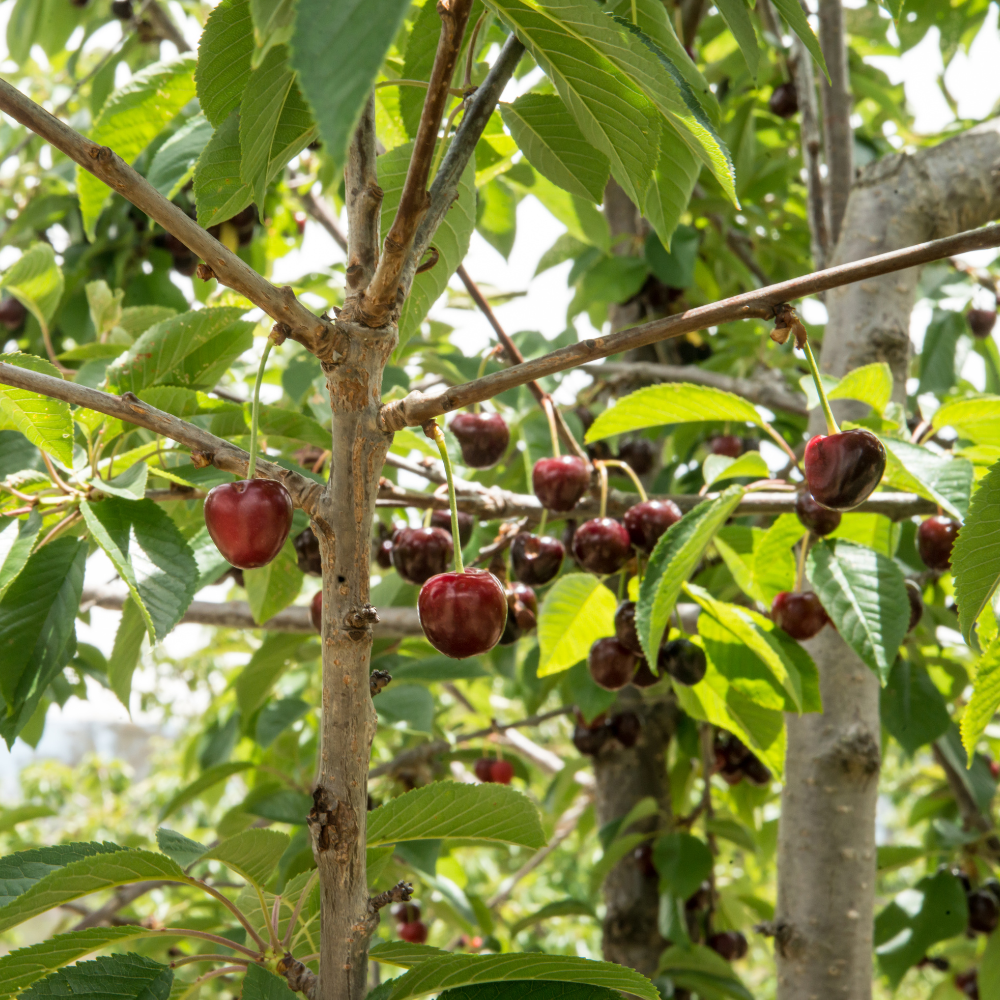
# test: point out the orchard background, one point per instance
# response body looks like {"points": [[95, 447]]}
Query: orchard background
{"points": [[722, 838]]}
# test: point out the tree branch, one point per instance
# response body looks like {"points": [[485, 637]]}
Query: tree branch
{"points": [[972, 817], [129, 408], [164, 25], [323, 214], [417, 408], [364, 203], [837, 102], [318, 335]]}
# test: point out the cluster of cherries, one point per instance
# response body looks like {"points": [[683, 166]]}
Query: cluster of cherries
{"points": [[409, 926], [493, 770]]}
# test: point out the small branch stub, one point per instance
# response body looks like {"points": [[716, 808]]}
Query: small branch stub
{"points": [[378, 680]]}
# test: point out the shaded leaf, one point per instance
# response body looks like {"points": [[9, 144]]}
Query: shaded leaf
{"points": [[259, 984], [19, 872], [273, 587], [224, 54], [913, 710], [975, 558], [110, 977], [737, 17], [254, 854], [173, 165], [17, 539], [182, 849], [36, 280], [985, 698], [263, 102]]}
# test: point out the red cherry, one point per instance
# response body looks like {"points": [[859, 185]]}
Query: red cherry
{"points": [[682, 660], [995, 769], [316, 611], [522, 613], [638, 453], [755, 771], [726, 444], [784, 100], [968, 983], [916, 604], [12, 314], [535, 559], [589, 739], [560, 482], [466, 524], [526, 595], [501, 772], [611, 664], [414, 932], [483, 438], [800, 615], [643, 676], [307, 552], [300, 222], [462, 614], [625, 727], [249, 520], [981, 322], [984, 911], [406, 913], [420, 553], [818, 519], [383, 554], [625, 631], [731, 945], [935, 539], [601, 545], [483, 768], [648, 520], [643, 858], [843, 469]]}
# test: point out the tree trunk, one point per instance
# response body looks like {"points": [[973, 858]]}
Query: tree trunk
{"points": [[826, 851]]}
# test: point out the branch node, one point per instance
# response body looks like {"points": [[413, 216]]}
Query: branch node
{"points": [[280, 333], [401, 892], [205, 272], [377, 681], [201, 459], [360, 617], [299, 978], [428, 264]]}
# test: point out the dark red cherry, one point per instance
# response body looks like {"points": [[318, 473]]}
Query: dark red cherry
{"points": [[522, 613], [643, 676], [316, 611], [726, 444], [383, 553], [414, 932], [560, 482], [646, 521], [625, 727], [682, 660], [483, 768], [756, 771], [590, 739], [935, 539], [483, 438], [611, 664], [784, 101], [249, 520], [968, 983], [535, 559], [800, 615], [843, 469], [731, 945], [462, 614], [730, 755], [501, 772], [984, 913], [406, 913], [420, 553], [625, 631], [12, 314], [307, 552], [122, 9], [981, 322], [466, 524], [916, 599], [527, 598], [638, 453], [818, 519], [601, 545], [643, 858]]}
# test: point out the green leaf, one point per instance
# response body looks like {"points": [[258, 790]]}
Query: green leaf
{"points": [[125, 652], [110, 977], [44, 421], [10, 818], [174, 163], [283, 806], [289, 424], [548, 136], [128, 485], [90, 874], [614, 852], [913, 710], [703, 971], [376, 861], [672, 561], [989, 965], [409, 704], [975, 558], [263, 102], [792, 12], [404, 954], [871, 384], [19, 872], [273, 587], [17, 539], [451, 237], [273, 21], [497, 216], [259, 984], [559, 908], [277, 716], [674, 403], [737, 16], [865, 596], [453, 971], [890, 856], [436, 669], [129, 121], [204, 781], [719, 468], [577, 610], [337, 89], [36, 280], [182, 849], [945, 480], [224, 55], [487, 812], [683, 862], [267, 664], [667, 199], [254, 854], [418, 61], [985, 698], [732, 830], [977, 419]]}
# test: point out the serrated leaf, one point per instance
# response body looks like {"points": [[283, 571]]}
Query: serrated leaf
{"points": [[17, 539], [19, 872], [127, 485], [273, 587], [259, 984], [337, 89], [131, 118], [975, 558], [273, 21], [174, 163], [670, 192], [718, 468], [792, 12], [941, 478], [865, 596], [376, 861], [737, 17], [577, 610], [36, 280], [672, 561], [182, 849], [261, 108], [985, 699], [207, 779], [224, 55], [871, 384], [46, 422], [528, 990], [702, 970], [676, 403], [487, 812], [110, 977], [125, 652], [404, 954], [254, 854]]}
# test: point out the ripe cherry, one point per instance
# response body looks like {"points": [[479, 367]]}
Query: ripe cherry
{"points": [[414, 933], [122, 9], [483, 768], [249, 520], [984, 913], [731, 945], [968, 983], [466, 524], [601, 545], [307, 552], [935, 539], [756, 771], [501, 772], [625, 727], [560, 482], [462, 614], [843, 469], [383, 553], [648, 520], [800, 615], [589, 739], [420, 553], [638, 453], [643, 858], [981, 322], [683, 660], [916, 600], [625, 631], [316, 611], [611, 664], [726, 444], [406, 913], [784, 101], [522, 612], [818, 519], [643, 676], [12, 314], [535, 559], [483, 438]]}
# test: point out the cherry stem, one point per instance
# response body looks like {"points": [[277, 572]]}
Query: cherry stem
{"points": [[831, 423], [551, 417], [630, 472], [439, 440], [801, 569], [541, 523], [482, 371], [780, 442], [255, 412], [602, 470]]}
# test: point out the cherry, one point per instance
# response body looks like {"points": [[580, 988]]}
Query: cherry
{"points": [[560, 482], [122, 9], [462, 614], [784, 100], [800, 615], [522, 611], [683, 660], [316, 611], [935, 538], [625, 727], [818, 519], [995, 769], [638, 453], [916, 604], [383, 553], [643, 676], [588, 738], [648, 520], [756, 771], [406, 913], [726, 444], [981, 322], [249, 520], [611, 664], [968, 983], [483, 438], [643, 858], [501, 772], [420, 553], [730, 755], [601, 545], [843, 469], [535, 559], [625, 631], [307, 552], [466, 524], [701, 898], [483, 768], [731, 945], [984, 913], [12, 314], [414, 932]]}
